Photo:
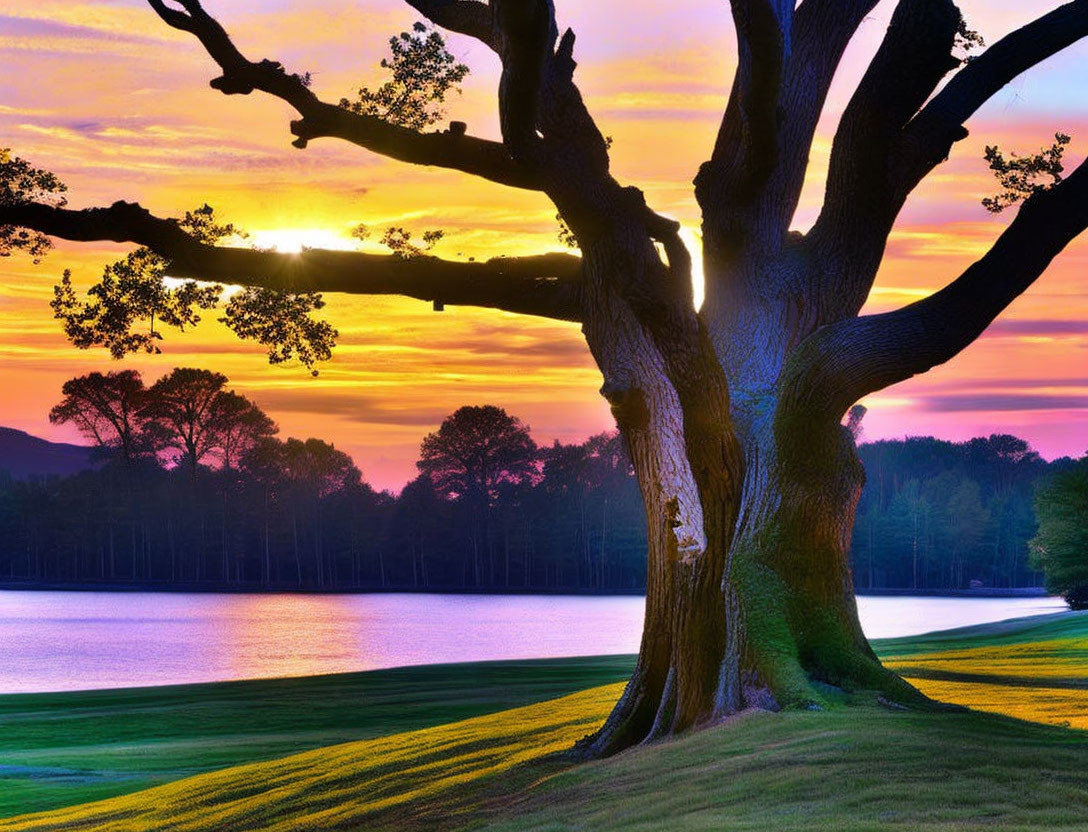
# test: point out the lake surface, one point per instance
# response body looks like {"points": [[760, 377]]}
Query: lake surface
{"points": [[52, 641]]}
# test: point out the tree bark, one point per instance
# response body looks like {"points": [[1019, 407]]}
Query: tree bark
{"points": [[749, 599]]}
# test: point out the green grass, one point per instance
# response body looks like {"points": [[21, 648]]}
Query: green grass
{"points": [[863, 768], [1059, 626], [65, 748], [849, 768]]}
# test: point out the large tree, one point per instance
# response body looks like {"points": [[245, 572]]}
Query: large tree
{"points": [[731, 413], [106, 409], [183, 414], [474, 453]]}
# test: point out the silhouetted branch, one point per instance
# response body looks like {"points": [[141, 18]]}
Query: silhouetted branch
{"points": [[885, 146], [479, 157], [914, 56], [466, 17], [746, 149], [545, 285], [851, 358]]}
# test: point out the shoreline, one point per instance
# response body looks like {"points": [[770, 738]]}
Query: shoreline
{"points": [[220, 589]]}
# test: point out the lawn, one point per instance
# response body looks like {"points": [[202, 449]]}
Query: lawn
{"points": [[860, 767], [65, 748]]}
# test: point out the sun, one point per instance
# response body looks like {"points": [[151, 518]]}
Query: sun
{"points": [[295, 240]]}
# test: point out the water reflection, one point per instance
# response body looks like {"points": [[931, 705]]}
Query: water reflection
{"points": [[80, 640]]}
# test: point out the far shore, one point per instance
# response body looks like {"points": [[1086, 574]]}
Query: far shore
{"points": [[257, 589]]}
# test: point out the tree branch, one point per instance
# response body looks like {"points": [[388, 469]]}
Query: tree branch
{"points": [[939, 124], [479, 157], [466, 17], [545, 285], [750, 188], [844, 361], [822, 29], [746, 150], [885, 145], [911, 61]]}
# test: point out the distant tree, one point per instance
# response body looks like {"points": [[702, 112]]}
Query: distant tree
{"points": [[182, 414], [909, 516], [318, 467], [239, 425], [304, 474], [106, 409], [1061, 545], [475, 450]]}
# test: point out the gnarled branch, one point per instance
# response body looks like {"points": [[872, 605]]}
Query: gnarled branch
{"points": [[747, 148], [844, 361], [885, 145], [546, 285], [479, 157]]}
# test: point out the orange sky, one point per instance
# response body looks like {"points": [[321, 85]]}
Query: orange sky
{"points": [[116, 103]]}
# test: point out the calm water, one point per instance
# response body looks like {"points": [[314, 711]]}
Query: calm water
{"points": [[77, 640]]}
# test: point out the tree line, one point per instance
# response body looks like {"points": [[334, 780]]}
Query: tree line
{"points": [[194, 488]]}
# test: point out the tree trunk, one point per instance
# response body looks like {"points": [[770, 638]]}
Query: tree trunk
{"points": [[749, 596], [776, 621]]}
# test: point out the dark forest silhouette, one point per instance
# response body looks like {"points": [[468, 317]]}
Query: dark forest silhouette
{"points": [[195, 490]]}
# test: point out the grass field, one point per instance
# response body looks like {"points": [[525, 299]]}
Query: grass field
{"points": [[860, 768], [65, 748]]}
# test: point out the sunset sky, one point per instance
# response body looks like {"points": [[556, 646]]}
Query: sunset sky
{"points": [[118, 105]]}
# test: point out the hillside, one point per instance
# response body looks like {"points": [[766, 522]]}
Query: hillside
{"points": [[25, 456]]}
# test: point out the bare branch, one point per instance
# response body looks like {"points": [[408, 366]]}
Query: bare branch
{"points": [[746, 150], [528, 32], [545, 285], [885, 146], [479, 157], [822, 29], [932, 131], [911, 61], [848, 359], [750, 188], [466, 17]]}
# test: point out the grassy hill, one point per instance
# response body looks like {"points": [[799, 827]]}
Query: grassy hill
{"points": [[861, 767]]}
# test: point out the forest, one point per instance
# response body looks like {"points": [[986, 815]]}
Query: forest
{"points": [[193, 489]]}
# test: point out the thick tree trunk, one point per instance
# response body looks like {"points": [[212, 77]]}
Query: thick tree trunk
{"points": [[749, 600], [776, 623]]}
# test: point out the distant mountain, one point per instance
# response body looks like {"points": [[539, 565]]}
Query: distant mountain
{"points": [[24, 456]]}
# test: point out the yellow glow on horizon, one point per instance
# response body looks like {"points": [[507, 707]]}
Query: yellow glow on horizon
{"points": [[295, 240]]}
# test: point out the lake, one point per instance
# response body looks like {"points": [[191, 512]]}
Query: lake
{"points": [[51, 641]]}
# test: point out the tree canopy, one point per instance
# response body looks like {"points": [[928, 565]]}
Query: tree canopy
{"points": [[1061, 546]]}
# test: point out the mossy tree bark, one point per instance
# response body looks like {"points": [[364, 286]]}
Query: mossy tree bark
{"points": [[731, 412]]}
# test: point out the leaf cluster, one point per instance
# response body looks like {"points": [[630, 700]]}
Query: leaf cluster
{"points": [[125, 310], [1024, 176], [134, 293], [22, 182], [422, 73], [399, 240], [966, 39], [282, 322], [127, 303]]}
